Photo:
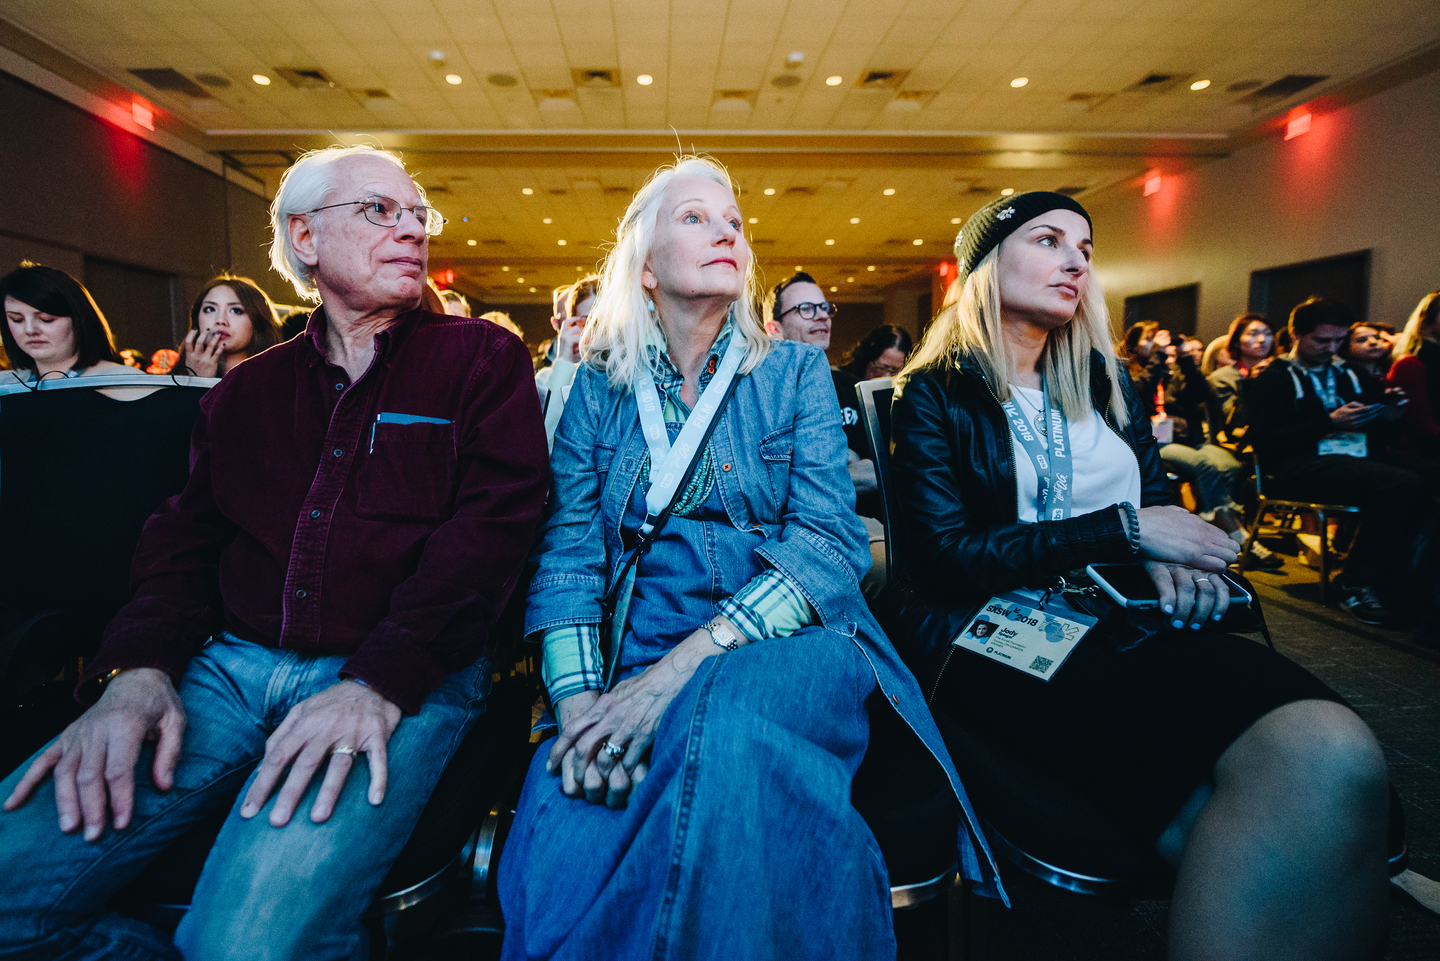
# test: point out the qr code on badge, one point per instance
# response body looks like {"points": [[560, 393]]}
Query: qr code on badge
{"points": [[1042, 664]]}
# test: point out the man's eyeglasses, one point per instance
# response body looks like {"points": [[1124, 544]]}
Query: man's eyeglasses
{"points": [[384, 212], [808, 310]]}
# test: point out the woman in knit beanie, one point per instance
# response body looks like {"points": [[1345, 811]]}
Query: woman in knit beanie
{"points": [[1022, 454]]}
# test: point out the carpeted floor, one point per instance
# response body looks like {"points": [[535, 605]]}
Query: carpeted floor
{"points": [[1393, 683]]}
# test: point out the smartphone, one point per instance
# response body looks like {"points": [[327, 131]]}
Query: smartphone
{"points": [[1130, 585]]}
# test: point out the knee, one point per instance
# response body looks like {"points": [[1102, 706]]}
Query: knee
{"points": [[1319, 749]]}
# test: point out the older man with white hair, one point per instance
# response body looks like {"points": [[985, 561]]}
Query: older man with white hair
{"points": [[320, 596]]}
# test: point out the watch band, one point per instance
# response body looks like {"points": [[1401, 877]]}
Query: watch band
{"points": [[721, 634], [1132, 526]]}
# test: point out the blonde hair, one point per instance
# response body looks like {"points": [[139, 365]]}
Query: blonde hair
{"points": [[1410, 338], [621, 319], [969, 326]]}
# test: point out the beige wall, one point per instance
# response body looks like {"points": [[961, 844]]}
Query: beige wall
{"points": [[1367, 176]]}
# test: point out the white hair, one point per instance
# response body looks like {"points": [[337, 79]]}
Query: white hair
{"points": [[621, 319], [303, 188]]}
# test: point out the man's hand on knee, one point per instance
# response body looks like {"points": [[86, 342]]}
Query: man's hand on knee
{"points": [[333, 726], [94, 759]]}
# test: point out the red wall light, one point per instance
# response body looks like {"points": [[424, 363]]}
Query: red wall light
{"points": [[1297, 126], [1152, 183], [444, 278], [143, 115]]}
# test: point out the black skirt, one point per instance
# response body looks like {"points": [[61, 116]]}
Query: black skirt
{"points": [[1135, 731]]}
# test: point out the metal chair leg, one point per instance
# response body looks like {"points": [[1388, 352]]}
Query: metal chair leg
{"points": [[1254, 531], [1324, 558]]}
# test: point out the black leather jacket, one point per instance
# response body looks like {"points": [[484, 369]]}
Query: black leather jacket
{"points": [[959, 538]]}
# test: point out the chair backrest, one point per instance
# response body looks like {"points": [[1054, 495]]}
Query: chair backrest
{"points": [[875, 396], [80, 473]]}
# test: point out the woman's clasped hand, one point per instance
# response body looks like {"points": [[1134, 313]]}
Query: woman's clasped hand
{"points": [[1185, 557]]}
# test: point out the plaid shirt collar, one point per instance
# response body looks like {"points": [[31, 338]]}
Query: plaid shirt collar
{"points": [[667, 376]]}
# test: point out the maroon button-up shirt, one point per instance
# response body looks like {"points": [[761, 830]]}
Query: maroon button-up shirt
{"points": [[387, 519]]}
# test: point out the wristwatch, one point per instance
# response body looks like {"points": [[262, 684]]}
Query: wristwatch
{"points": [[721, 634]]}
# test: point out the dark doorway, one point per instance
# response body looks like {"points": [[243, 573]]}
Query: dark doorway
{"points": [[1276, 291], [139, 304], [1175, 309]]}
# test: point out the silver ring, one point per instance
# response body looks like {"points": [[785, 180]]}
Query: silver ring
{"points": [[344, 749], [611, 749]]}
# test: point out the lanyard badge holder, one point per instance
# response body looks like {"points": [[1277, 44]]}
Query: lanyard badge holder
{"points": [[1030, 631], [671, 469]]}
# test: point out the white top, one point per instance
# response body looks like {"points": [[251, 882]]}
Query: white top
{"points": [[1106, 472]]}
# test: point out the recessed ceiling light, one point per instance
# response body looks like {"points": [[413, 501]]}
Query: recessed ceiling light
{"points": [[504, 268], [769, 191], [917, 241], [871, 267], [644, 80], [830, 243], [954, 220], [470, 243], [578, 269], [261, 79], [889, 191], [1019, 81], [454, 79], [547, 220], [798, 268], [833, 81], [795, 58], [754, 220], [560, 242], [1200, 85], [1007, 191], [849, 280], [438, 56], [833, 289], [854, 220], [464, 220], [532, 290], [526, 191], [519, 280]]}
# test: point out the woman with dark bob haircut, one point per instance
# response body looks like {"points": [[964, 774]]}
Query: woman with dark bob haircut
{"points": [[52, 326], [230, 321], [1023, 454], [881, 353]]}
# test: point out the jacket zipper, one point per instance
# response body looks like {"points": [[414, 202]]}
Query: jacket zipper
{"points": [[1015, 476]]}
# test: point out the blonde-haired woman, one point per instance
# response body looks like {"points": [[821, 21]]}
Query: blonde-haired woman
{"points": [[1248, 775], [1417, 370], [700, 808]]}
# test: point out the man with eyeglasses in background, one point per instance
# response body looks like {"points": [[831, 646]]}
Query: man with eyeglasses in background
{"points": [[799, 311], [307, 643]]}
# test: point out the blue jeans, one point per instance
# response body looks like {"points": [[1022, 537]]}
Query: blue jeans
{"points": [[1212, 469], [294, 892], [740, 844]]}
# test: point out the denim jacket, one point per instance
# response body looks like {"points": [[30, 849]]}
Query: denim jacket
{"points": [[781, 459]]}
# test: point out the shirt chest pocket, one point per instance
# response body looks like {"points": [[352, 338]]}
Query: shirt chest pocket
{"points": [[409, 471], [777, 450]]}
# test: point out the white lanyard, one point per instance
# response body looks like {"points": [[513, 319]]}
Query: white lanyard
{"points": [[1052, 460], [668, 463], [1326, 388]]}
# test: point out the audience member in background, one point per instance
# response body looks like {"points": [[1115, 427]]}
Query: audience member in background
{"points": [[1319, 426], [52, 327], [347, 570], [503, 319], [1249, 342], [1368, 349], [1216, 355], [880, 353], [798, 311], [131, 357], [1213, 472], [455, 303], [1148, 351], [1232, 763], [292, 320], [746, 664], [1417, 371], [556, 378], [230, 321], [430, 298], [545, 353], [1284, 341]]}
